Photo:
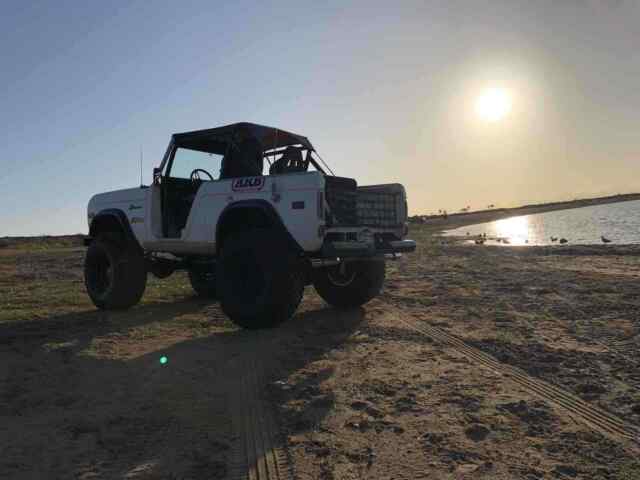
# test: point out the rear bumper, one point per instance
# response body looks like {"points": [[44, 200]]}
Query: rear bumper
{"points": [[344, 249]]}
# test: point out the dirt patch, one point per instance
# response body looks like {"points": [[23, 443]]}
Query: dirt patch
{"points": [[353, 394]]}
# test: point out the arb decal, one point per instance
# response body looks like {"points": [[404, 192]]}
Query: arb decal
{"points": [[248, 184]]}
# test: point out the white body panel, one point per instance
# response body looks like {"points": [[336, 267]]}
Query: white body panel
{"points": [[133, 202], [294, 197], [142, 208]]}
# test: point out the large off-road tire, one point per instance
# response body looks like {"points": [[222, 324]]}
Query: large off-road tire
{"points": [[352, 284], [203, 282], [260, 278], [115, 276]]}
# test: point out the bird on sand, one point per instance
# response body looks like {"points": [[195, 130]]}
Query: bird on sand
{"points": [[554, 239], [605, 240], [479, 241], [563, 241]]}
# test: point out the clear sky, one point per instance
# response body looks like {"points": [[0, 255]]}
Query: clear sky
{"points": [[386, 91]]}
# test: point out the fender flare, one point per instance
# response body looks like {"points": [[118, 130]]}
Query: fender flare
{"points": [[266, 208], [117, 215]]}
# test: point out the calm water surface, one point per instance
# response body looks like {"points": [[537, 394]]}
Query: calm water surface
{"points": [[619, 222]]}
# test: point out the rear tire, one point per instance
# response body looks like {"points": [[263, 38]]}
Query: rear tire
{"points": [[203, 282], [260, 278], [358, 282], [115, 277]]}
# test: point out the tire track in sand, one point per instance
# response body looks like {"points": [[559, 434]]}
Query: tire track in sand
{"points": [[580, 410], [258, 451]]}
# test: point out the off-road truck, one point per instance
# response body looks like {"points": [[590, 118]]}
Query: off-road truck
{"points": [[254, 215]]}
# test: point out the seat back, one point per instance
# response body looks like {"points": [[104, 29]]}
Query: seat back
{"points": [[291, 161]]}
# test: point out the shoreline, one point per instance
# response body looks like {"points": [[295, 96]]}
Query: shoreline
{"points": [[436, 225]]}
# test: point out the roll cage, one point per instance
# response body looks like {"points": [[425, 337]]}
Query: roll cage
{"points": [[274, 142]]}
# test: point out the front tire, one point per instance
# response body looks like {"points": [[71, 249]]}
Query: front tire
{"points": [[260, 278], [115, 277], [350, 284]]}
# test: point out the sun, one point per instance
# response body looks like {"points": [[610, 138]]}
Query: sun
{"points": [[493, 104]]}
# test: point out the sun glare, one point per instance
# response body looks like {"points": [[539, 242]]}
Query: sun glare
{"points": [[515, 230], [493, 104]]}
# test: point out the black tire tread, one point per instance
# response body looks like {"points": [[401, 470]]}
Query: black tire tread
{"points": [[366, 285], [130, 275], [285, 287]]}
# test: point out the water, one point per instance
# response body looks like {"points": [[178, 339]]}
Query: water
{"points": [[619, 222]]}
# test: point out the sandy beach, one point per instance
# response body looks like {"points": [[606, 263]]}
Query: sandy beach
{"points": [[491, 362]]}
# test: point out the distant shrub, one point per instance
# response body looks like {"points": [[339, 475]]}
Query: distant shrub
{"points": [[42, 242]]}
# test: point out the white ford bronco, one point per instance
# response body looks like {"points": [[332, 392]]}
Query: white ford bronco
{"points": [[252, 215]]}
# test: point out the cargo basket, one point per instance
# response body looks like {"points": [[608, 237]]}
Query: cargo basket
{"points": [[378, 208]]}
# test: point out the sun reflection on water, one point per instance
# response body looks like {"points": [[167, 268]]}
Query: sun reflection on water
{"points": [[619, 222], [515, 230]]}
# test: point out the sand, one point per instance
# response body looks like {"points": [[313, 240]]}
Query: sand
{"points": [[475, 362]]}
